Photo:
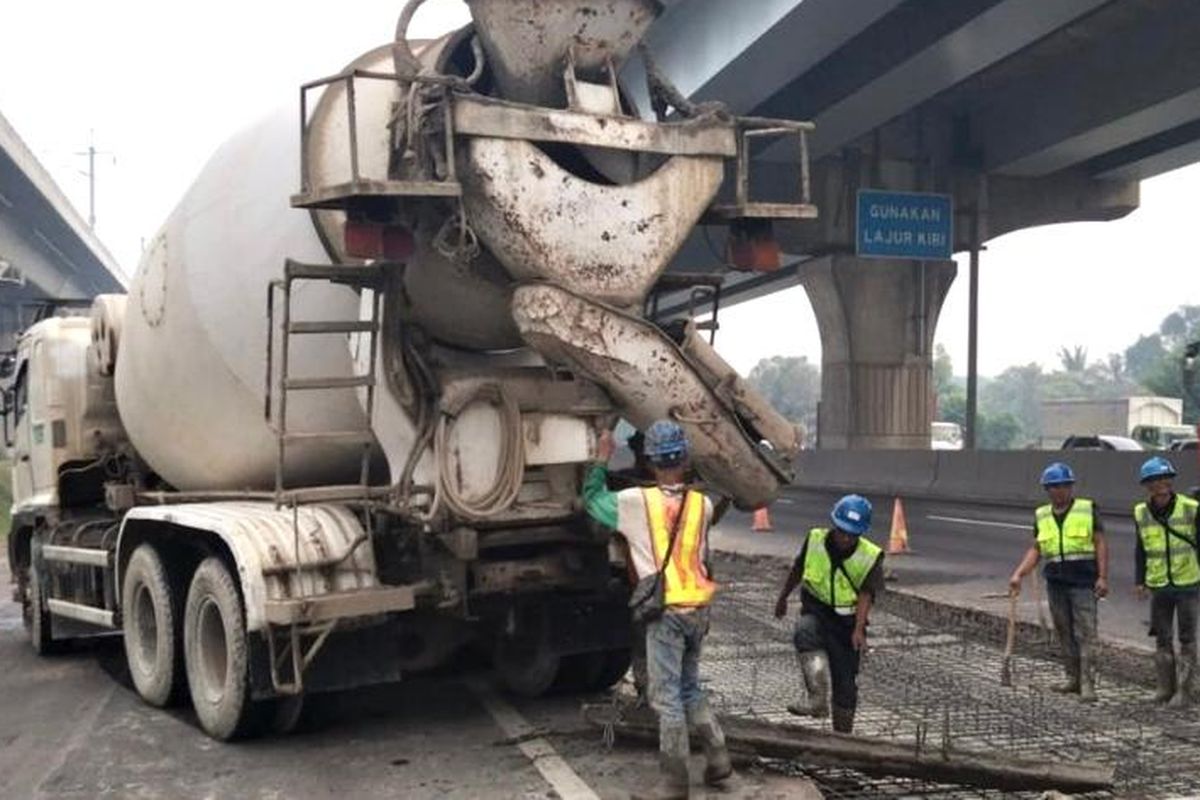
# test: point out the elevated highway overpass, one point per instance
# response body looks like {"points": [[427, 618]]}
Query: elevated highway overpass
{"points": [[48, 253], [1027, 112]]}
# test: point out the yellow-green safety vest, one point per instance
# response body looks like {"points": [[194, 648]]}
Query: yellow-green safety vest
{"points": [[1170, 556], [1074, 540], [837, 588], [686, 577]]}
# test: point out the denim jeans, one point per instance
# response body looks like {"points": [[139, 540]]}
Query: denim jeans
{"points": [[1073, 609], [673, 645]]}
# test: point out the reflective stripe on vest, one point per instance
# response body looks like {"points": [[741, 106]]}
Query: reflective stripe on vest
{"points": [[830, 585], [1074, 540], [687, 582], [1170, 559]]}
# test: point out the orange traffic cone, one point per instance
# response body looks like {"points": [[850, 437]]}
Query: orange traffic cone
{"points": [[898, 541], [762, 521]]}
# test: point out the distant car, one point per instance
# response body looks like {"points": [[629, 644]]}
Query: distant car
{"points": [[1185, 444], [1101, 442]]}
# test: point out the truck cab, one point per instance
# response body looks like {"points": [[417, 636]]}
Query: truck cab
{"points": [[61, 428]]}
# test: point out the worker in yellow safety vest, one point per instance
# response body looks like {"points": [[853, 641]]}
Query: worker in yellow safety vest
{"points": [[1167, 567], [666, 529], [839, 572], [1069, 537]]}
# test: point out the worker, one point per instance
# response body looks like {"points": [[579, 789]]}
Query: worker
{"points": [[639, 474], [651, 519], [1166, 567], [1069, 535], [839, 572]]}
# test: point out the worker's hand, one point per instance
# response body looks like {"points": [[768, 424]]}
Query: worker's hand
{"points": [[605, 446], [858, 639], [1141, 591], [1014, 585], [781, 608], [1101, 588]]}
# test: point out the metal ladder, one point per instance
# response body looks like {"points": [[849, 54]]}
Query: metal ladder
{"points": [[280, 383]]}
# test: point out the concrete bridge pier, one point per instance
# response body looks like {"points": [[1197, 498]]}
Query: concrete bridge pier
{"points": [[877, 320]]}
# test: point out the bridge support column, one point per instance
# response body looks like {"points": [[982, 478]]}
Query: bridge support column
{"points": [[877, 320]]}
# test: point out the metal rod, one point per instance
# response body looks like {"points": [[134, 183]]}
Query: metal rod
{"points": [[352, 113], [270, 353], [448, 124], [283, 381], [303, 140], [970, 439], [805, 176], [743, 170]]}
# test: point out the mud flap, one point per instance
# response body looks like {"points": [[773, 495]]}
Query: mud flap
{"points": [[650, 378]]}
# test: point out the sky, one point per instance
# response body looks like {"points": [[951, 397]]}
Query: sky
{"points": [[159, 85]]}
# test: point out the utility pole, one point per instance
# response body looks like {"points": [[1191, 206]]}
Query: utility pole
{"points": [[91, 154]]}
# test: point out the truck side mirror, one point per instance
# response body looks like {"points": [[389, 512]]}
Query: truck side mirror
{"points": [[7, 364]]}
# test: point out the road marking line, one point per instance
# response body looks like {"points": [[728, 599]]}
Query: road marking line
{"points": [[987, 523], [556, 772]]}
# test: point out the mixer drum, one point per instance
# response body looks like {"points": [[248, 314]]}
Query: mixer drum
{"points": [[190, 375]]}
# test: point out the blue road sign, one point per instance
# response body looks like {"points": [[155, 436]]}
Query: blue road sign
{"points": [[904, 225]]}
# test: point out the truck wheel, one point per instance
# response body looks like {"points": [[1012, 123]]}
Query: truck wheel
{"points": [[526, 668], [616, 664], [149, 620], [579, 672], [41, 634], [283, 714], [216, 652]]}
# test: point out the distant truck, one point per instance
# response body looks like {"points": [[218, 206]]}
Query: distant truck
{"points": [[945, 436], [1150, 420]]}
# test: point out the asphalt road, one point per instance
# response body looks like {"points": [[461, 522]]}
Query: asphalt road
{"points": [[72, 727], [961, 553]]}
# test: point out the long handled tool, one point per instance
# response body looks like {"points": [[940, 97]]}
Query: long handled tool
{"points": [[1006, 667]]}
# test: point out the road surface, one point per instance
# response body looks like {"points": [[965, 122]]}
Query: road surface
{"points": [[961, 553]]}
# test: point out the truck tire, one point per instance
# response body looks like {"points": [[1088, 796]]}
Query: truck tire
{"points": [[150, 622], [283, 714], [41, 635], [616, 664], [579, 672], [525, 668], [216, 652]]}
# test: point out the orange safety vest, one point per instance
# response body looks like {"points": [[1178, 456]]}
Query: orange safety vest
{"points": [[687, 581]]}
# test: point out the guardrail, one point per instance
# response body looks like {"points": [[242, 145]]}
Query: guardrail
{"points": [[995, 477]]}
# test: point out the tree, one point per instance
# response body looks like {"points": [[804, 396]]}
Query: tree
{"points": [[1074, 360], [999, 431], [1156, 360], [1143, 356], [791, 384]]}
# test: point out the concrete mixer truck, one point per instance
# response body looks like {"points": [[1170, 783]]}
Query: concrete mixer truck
{"points": [[336, 429]]}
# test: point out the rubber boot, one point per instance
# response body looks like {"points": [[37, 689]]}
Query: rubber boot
{"points": [[1164, 666], [1071, 684], [1087, 677], [717, 767], [843, 720], [1185, 690], [814, 666], [673, 780]]}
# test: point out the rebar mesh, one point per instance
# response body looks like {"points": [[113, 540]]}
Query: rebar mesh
{"points": [[939, 687]]}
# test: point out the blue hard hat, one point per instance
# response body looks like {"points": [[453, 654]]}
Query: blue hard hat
{"points": [[1157, 467], [852, 514], [666, 444], [1057, 474]]}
